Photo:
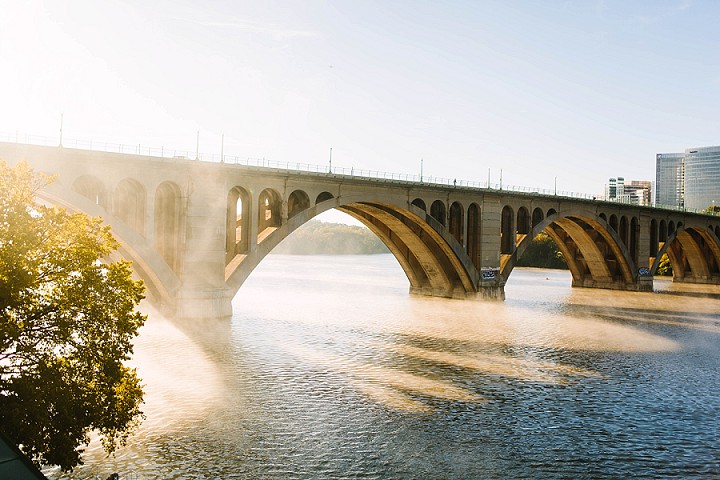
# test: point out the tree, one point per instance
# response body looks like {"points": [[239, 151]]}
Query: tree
{"points": [[67, 320], [542, 252], [664, 268]]}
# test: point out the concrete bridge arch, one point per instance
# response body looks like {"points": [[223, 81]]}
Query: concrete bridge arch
{"points": [[595, 254], [694, 254], [432, 259]]}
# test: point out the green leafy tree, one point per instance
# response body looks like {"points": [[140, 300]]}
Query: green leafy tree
{"points": [[67, 320], [542, 252]]}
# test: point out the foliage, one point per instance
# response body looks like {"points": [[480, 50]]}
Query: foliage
{"points": [[542, 252], [67, 321], [664, 268], [320, 238], [714, 209]]}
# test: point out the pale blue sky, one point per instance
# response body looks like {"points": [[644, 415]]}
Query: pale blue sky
{"points": [[580, 90]]}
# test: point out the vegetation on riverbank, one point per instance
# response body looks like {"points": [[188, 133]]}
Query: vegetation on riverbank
{"points": [[324, 238], [543, 253]]}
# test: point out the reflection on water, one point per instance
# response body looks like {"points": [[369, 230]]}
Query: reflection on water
{"points": [[329, 369]]}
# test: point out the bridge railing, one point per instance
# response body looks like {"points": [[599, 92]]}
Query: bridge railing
{"points": [[169, 153], [176, 154]]}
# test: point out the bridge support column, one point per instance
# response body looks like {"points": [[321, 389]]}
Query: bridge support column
{"points": [[491, 285], [203, 293]]}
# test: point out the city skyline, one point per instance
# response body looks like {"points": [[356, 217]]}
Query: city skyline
{"points": [[576, 91]]}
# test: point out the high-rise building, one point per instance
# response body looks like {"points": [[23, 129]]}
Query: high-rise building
{"points": [[702, 177], [669, 179], [690, 179]]}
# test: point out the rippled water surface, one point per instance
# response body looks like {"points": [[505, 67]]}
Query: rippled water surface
{"points": [[329, 369]]}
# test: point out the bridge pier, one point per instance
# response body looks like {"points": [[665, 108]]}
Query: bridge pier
{"points": [[485, 292], [203, 304], [491, 292], [643, 284]]}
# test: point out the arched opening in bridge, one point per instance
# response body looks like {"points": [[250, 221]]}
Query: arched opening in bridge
{"points": [[297, 202], [603, 216], [457, 221], [129, 204], [537, 217], [624, 230], [473, 234], [523, 222], [551, 212], [694, 255], [634, 235], [418, 202], [437, 211], [507, 231], [91, 188], [717, 232], [324, 196], [168, 224], [671, 228], [269, 207], [653, 240], [592, 253], [433, 265], [662, 233], [237, 231], [614, 223]]}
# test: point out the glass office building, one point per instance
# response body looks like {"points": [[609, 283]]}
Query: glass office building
{"points": [[669, 179], [702, 177], [690, 179]]}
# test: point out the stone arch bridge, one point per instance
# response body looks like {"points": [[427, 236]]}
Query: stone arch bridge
{"points": [[196, 230]]}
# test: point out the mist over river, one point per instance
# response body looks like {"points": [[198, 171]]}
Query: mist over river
{"points": [[330, 369]]}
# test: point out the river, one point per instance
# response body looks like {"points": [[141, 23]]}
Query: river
{"points": [[330, 369]]}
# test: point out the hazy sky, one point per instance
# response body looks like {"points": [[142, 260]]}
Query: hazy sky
{"points": [[578, 90]]}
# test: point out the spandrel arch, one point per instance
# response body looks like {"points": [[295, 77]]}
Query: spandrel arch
{"points": [[237, 231], [269, 211], [90, 187], [169, 224], [129, 204]]}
